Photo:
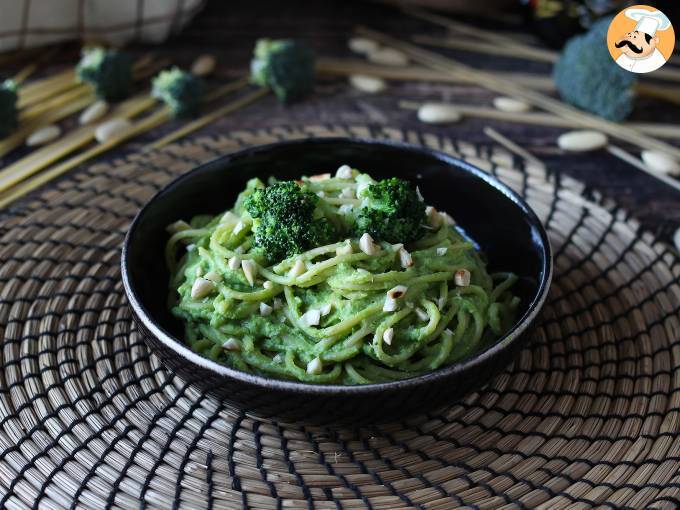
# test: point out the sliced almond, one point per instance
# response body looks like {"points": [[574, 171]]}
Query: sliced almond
{"points": [[43, 135], [405, 258], [231, 345], [234, 263], [368, 84], [203, 65], [397, 292], [388, 336], [390, 305], [93, 112], [320, 177], [344, 172], [362, 45], [367, 245], [213, 276], [434, 219], [314, 367], [345, 249], [311, 317], [249, 270], [298, 268], [201, 288], [111, 129], [462, 278]]}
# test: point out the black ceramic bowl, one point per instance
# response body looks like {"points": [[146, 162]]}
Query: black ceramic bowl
{"points": [[501, 222]]}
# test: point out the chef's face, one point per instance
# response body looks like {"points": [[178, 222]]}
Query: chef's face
{"points": [[637, 44]]}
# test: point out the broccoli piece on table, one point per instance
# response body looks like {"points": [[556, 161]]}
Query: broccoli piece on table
{"points": [[284, 65], [588, 78], [286, 220], [181, 91], [392, 212], [109, 71], [8, 107]]}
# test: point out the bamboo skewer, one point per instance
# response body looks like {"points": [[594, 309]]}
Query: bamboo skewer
{"points": [[149, 122], [38, 91], [507, 42], [27, 71], [64, 105], [347, 67], [491, 82], [485, 47], [546, 119], [512, 146], [73, 141], [51, 153], [33, 93], [207, 119]]}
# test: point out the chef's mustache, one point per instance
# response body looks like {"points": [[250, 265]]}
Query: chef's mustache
{"points": [[626, 42]]}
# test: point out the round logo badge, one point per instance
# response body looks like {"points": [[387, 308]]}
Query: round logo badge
{"points": [[640, 39]]}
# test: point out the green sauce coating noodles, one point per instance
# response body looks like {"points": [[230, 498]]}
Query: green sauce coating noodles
{"points": [[321, 316]]}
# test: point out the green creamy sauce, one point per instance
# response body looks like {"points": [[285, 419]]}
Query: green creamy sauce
{"points": [[261, 328]]}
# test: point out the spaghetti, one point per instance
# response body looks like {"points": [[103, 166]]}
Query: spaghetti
{"points": [[356, 311]]}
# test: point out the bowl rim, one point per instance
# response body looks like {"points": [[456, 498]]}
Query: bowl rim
{"points": [[477, 359]]}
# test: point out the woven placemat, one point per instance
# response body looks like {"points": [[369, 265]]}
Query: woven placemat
{"points": [[588, 415]]}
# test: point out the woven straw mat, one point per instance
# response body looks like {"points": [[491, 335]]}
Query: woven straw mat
{"points": [[588, 415]]}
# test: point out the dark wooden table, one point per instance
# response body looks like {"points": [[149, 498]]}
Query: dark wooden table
{"points": [[229, 30]]}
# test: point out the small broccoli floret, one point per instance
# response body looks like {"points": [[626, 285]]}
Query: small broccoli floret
{"points": [[8, 107], [286, 220], [393, 212], [181, 91], [284, 65], [587, 77], [108, 71]]}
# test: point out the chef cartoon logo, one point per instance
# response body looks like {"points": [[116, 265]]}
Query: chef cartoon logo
{"points": [[640, 39]]}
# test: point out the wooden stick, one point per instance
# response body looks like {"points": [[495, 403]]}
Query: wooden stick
{"points": [[64, 105], [495, 38], [34, 92], [209, 118], [638, 163], [49, 154], [546, 119], [485, 47], [347, 67], [512, 146], [150, 122], [33, 66], [17, 137], [62, 82], [146, 124], [505, 42], [507, 87]]}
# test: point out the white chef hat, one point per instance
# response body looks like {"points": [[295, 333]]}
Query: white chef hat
{"points": [[648, 22]]}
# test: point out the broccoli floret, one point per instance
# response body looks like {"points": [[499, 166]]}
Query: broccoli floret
{"points": [[8, 107], [284, 65], [587, 77], [286, 220], [181, 91], [108, 71], [392, 212]]}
